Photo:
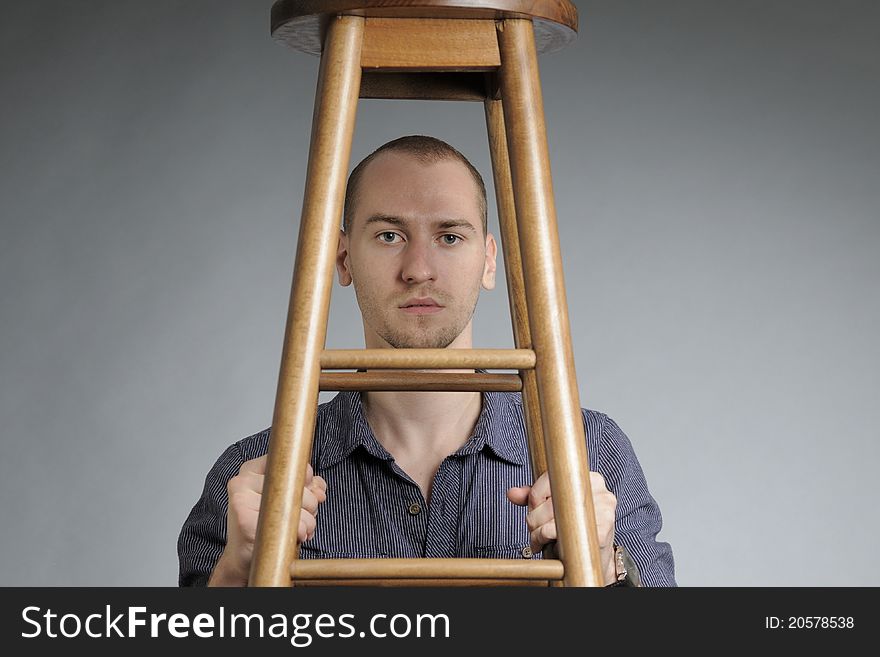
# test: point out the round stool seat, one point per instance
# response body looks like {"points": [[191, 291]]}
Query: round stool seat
{"points": [[297, 23]]}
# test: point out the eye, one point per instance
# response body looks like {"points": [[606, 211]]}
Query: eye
{"points": [[388, 237], [450, 239]]}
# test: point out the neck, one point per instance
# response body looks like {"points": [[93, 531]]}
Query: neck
{"points": [[422, 423], [420, 429]]}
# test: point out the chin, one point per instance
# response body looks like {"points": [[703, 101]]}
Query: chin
{"points": [[419, 344], [399, 341]]}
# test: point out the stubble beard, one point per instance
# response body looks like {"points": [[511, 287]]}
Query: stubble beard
{"points": [[420, 332], [422, 336]]}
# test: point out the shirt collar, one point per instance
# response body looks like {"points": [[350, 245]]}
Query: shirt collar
{"points": [[496, 429], [347, 429]]}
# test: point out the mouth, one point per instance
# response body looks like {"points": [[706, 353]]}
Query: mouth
{"points": [[421, 306]]}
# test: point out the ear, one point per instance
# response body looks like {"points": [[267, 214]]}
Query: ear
{"points": [[343, 267], [490, 265]]}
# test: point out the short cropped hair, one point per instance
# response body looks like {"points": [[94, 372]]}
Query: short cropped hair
{"points": [[426, 150]]}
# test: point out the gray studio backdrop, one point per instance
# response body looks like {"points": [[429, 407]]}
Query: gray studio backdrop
{"points": [[717, 177]]}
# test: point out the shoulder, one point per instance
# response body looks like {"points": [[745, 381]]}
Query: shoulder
{"points": [[256, 445], [608, 447], [253, 446], [595, 422]]}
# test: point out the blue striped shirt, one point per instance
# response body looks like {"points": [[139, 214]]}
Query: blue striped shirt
{"points": [[373, 509]]}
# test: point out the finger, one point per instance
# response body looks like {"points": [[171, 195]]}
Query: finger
{"points": [[257, 465], [519, 494], [244, 500], [541, 536], [318, 488], [605, 507], [248, 479], [244, 508], [307, 524], [540, 515], [309, 473], [605, 503], [309, 501], [540, 490], [597, 481]]}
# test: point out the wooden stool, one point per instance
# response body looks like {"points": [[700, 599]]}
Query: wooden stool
{"points": [[451, 50]]}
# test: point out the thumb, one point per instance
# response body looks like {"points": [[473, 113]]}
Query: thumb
{"points": [[519, 494]]}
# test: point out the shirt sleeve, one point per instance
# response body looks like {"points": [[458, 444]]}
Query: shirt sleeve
{"points": [[638, 519], [203, 535]]}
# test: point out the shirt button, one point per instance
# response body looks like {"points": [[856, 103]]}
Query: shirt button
{"points": [[415, 508], [527, 552]]}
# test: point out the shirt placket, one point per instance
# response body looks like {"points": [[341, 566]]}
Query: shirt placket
{"points": [[444, 510], [409, 510]]}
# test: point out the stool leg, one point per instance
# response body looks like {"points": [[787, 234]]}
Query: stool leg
{"points": [[519, 315], [522, 335], [547, 309], [293, 423]]}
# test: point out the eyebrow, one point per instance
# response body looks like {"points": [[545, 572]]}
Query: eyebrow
{"points": [[401, 223]]}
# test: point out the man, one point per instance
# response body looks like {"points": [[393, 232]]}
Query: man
{"points": [[421, 474]]}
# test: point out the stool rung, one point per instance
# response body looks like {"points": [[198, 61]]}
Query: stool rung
{"points": [[422, 582], [425, 569], [437, 359], [421, 381]]}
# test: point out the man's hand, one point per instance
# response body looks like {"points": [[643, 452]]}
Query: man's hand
{"points": [[245, 493], [542, 521]]}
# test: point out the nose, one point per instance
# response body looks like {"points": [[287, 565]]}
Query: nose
{"points": [[417, 266]]}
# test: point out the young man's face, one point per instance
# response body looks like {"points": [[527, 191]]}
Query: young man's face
{"points": [[416, 253]]}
